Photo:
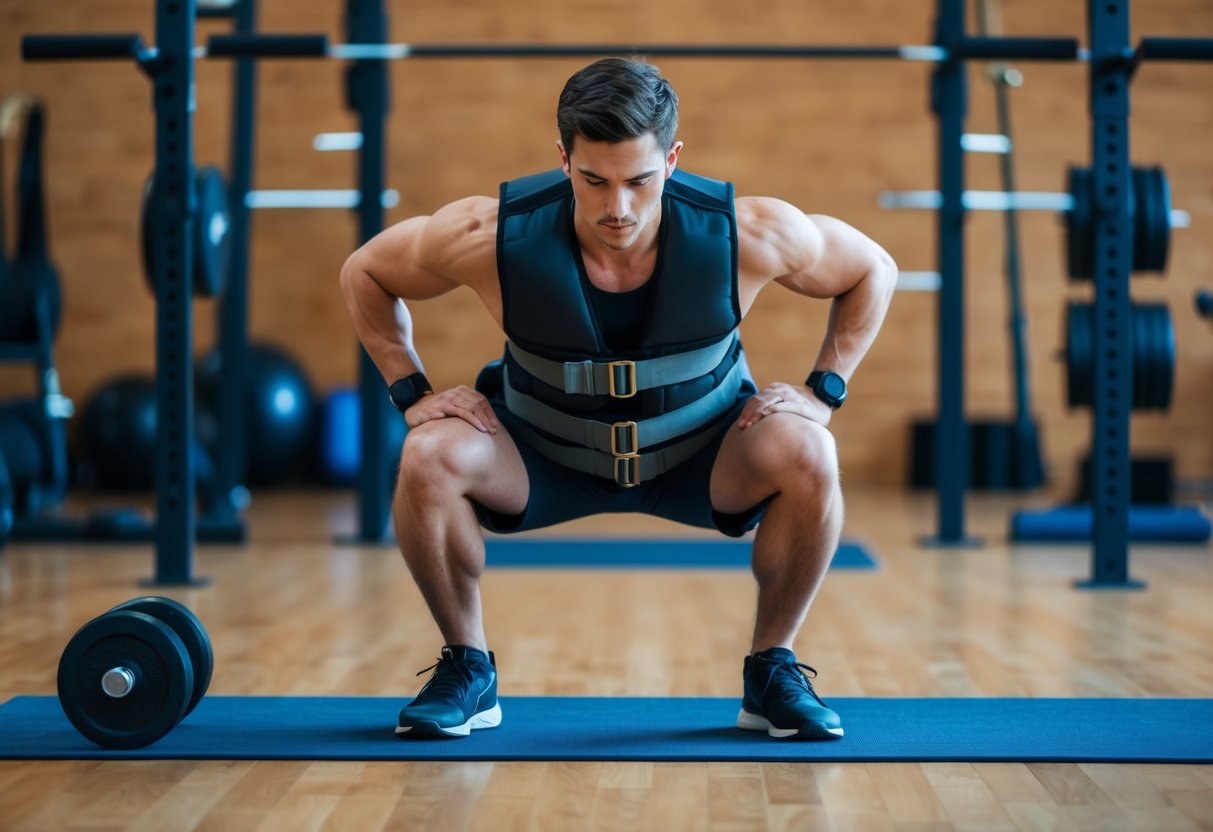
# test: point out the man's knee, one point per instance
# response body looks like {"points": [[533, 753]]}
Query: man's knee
{"points": [[802, 453], [440, 455]]}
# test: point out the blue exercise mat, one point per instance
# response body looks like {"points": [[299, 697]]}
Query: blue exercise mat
{"points": [[1147, 524], [669, 729], [652, 554]]}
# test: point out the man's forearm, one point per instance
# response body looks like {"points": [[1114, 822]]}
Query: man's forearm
{"points": [[383, 325], [855, 319]]}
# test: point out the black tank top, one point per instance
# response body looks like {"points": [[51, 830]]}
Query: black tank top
{"points": [[621, 315]]}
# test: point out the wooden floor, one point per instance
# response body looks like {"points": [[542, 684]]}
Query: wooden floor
{"points": [[295, 613]]}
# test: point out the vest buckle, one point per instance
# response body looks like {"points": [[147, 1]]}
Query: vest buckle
{"points": [[627, 471], [621, 378], [625, 439]]}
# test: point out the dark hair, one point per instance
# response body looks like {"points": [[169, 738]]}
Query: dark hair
{"points": [[613, 100]]}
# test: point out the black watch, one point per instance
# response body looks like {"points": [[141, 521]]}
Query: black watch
{"points": [[406, 392], [830, 387]]}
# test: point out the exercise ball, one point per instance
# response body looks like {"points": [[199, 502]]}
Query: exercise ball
{"points": [[341, 437], [278, 409], [6, 501], [117, 435]]}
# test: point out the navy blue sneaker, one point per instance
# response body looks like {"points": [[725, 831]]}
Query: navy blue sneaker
{"points": [[460, 696], [779, 699]]}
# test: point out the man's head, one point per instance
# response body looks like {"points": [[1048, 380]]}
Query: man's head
{"points": [[615, 99], [617, 123]]}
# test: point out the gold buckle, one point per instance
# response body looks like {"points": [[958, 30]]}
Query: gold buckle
{"points": [[629, 368], [632, 441], [630, 475]]}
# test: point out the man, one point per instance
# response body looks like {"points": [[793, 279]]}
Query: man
{"points": [[620, 283]]}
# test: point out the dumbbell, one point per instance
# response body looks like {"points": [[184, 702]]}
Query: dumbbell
{"points": [[129, 676]]}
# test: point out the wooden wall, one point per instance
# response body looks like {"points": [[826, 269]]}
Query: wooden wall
{"points": [[825, 136]]}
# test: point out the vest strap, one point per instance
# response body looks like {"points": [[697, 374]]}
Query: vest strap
{"points": [[622, 379], [626, 438], [625, 469]]}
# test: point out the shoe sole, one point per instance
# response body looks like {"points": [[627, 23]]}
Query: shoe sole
{"points": [[432, 730], [811, 730]]}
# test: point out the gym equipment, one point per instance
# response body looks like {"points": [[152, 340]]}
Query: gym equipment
{"points": [[681, 729], [117, 435], [1149, 211], [1153, 355], [127, 677], [629, 553], [1147, 524], [6, 501], [341, 437], [1111, 61], [212, 242], [278, 410], [29, 285]]}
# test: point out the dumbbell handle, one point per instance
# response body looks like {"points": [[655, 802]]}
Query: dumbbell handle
{"points": [[118, 682]]}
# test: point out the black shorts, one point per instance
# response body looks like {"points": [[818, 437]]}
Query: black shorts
{"points": [[559, 493]]}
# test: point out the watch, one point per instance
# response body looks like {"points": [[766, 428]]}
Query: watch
{"points": [[830, 387], [406, 392]]}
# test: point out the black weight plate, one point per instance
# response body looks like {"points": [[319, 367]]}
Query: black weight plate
{"points": [[145, 235], [164, 678], [1152, 224], [212, 237], [1080, 224], [1080, 365], [191, 632]]}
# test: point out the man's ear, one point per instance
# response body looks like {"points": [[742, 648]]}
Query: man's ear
{"points": [[564, 158], [671, 159]]}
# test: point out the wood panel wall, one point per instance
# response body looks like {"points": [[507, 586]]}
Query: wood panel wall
{"points": [[825, 136]]}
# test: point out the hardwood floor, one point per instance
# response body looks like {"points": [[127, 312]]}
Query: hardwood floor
{"points": [[295, 613]]}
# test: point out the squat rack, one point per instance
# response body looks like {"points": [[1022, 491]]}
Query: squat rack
{"points": [[170, 65]]}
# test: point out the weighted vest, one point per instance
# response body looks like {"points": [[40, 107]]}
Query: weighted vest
{"points": [[631, 414]]}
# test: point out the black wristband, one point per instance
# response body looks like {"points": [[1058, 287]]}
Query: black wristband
{"points": [[406, 392]]}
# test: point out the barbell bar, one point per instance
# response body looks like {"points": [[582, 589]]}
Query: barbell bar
{"points": [[131, 45], [1062, 203]]}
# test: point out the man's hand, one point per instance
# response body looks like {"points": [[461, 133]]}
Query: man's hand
{"points": [[461, 402], [785, 398]]}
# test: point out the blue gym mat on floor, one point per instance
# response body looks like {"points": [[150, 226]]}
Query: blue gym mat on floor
{"points": [[597, 553], [667, 729]]}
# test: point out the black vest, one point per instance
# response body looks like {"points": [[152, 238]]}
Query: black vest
{"points": [[694, 301]]}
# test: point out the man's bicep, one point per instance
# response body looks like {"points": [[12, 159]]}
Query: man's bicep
{"points": [[836, 257], [402, 260]]}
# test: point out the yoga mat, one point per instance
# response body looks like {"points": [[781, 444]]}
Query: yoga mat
{"points": [[653, 554], [644, 729]]}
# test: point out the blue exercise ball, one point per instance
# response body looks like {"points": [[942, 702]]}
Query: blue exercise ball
{"points": [[279, 405]]}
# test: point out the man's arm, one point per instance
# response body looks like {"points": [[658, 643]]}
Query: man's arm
{"points": [[417, 259], [819, 257]]}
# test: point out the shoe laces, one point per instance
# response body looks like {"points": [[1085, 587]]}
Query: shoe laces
{"points": [[450, 677], [799, 675]]}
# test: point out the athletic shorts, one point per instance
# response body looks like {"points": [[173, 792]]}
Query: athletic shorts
{"points": [[558, 493]]}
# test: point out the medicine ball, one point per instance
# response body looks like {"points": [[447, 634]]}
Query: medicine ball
{"points": [[279, 406], [117, 435]]}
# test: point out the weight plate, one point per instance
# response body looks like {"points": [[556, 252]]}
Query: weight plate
{"points": [[212, 240], [161, 672], [191, 632], [1152, 222], [1080, 367], [1080, 224], [212, 232]]}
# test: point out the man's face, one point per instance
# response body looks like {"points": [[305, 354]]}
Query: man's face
{"points": [[617, 187]]}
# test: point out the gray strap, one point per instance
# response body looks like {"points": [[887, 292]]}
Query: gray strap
{"points": [[624, 470], [594, 378], [604, 436]]}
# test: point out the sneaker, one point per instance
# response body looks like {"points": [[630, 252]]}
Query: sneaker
{"points": [[779, 699], [460, 696]]}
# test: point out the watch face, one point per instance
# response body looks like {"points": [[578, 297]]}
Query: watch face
{"points": [[833, 386]]}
